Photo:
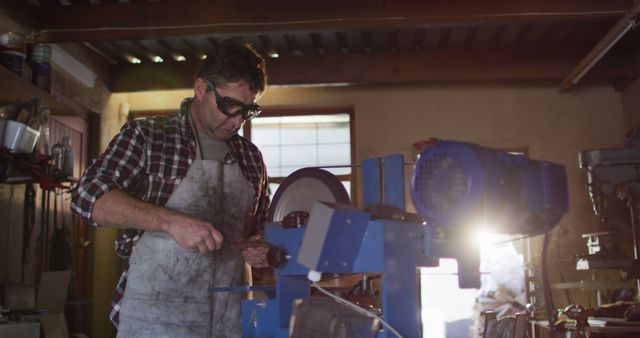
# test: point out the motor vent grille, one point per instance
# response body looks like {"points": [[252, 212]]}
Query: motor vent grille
{"points": [[440, 183]]}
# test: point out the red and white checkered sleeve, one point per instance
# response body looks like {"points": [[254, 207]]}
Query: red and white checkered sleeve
{"points": [[116, 168]]}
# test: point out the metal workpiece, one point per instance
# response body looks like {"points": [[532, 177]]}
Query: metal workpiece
{"points": [[243, 244], [275, 255]]}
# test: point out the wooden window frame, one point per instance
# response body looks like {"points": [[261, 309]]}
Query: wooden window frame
{"points": [[279, 112]]}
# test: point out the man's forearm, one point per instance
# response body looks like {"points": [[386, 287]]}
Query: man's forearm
{"points": [[117, 209]]}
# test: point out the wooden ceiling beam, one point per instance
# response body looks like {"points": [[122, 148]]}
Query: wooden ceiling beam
{"points": [[402, 67], [393, 43], [418, 39], [318, 44], [445, 34], [292, 44], [150, 19], [343, 44], [470, 37], [367, 41]]}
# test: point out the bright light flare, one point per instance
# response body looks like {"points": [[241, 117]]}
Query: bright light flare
{"points": [[132, 59], [179, 57], [273, 54], [484, 234]]}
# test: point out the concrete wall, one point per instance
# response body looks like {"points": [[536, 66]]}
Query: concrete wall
{"points": [[631, 105]]}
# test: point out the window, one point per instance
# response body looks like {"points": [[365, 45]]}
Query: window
{"points": [[291, 139]]}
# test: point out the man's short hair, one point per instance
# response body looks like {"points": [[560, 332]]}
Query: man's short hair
{"points": [[232, 61]]}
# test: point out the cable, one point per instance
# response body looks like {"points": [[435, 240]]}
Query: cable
{"points": [[357, 309], [513, 239], [567, 294], [548, 300], [339, 276]]}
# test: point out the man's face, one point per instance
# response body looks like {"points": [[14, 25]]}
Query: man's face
{"points": [[207, 115]]}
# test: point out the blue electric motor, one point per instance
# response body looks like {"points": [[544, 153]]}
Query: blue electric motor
{"points": [[457, 185]]}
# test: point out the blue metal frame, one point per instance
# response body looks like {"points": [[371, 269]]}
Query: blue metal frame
{"points": [[353, 243], [393, 248]]}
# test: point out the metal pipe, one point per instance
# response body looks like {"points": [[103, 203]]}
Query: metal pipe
{"points": [[601, 48]]}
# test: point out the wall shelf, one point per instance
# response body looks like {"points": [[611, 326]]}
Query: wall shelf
{"points": [[14, 87]]}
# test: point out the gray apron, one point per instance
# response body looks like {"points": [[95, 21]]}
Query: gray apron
{"points": [[167, 289]]}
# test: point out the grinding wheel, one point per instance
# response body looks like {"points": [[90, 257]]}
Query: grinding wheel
{"points": [[303, 187]]}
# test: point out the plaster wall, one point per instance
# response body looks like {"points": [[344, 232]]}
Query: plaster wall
{"points": [[106, 265], [631, 105], [553, 126]]}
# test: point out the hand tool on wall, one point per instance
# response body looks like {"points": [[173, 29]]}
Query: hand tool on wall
{"points": [[28, 222]]}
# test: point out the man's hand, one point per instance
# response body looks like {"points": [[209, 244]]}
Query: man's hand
{"points": [[195, 235], [256, 257], [119, 210]]}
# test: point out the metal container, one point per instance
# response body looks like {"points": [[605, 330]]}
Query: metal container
{"points": [[41, 53], [13, 41], [41, 75], [19, 138], [13, 60]]}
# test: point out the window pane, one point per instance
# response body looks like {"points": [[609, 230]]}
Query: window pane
{"points": [[299, 134], [334, 154], [271, 156], [289, 143], [334, 134], [299, 155], [287, 170], [265, 135], [273, 187]]}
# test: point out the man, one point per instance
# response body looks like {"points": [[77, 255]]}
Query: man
{"points": [[183, 186]]}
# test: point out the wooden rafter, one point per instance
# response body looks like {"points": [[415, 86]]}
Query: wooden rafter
{"points": [[318, 44], [470, 37], [343, 45], [445, 34], [400, 67], [148, 19], [494, 40], [292, 44], [367, 41], [418, 39], [393, 40]]}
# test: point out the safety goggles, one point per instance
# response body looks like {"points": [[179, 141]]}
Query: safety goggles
{"points": [[232, 107]]}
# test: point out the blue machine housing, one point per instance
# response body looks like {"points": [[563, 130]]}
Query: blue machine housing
{"points": [[453, 182], [456, 184], [393, 248]]}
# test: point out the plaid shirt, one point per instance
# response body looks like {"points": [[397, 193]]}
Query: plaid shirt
{"points": [[148, 159]]}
